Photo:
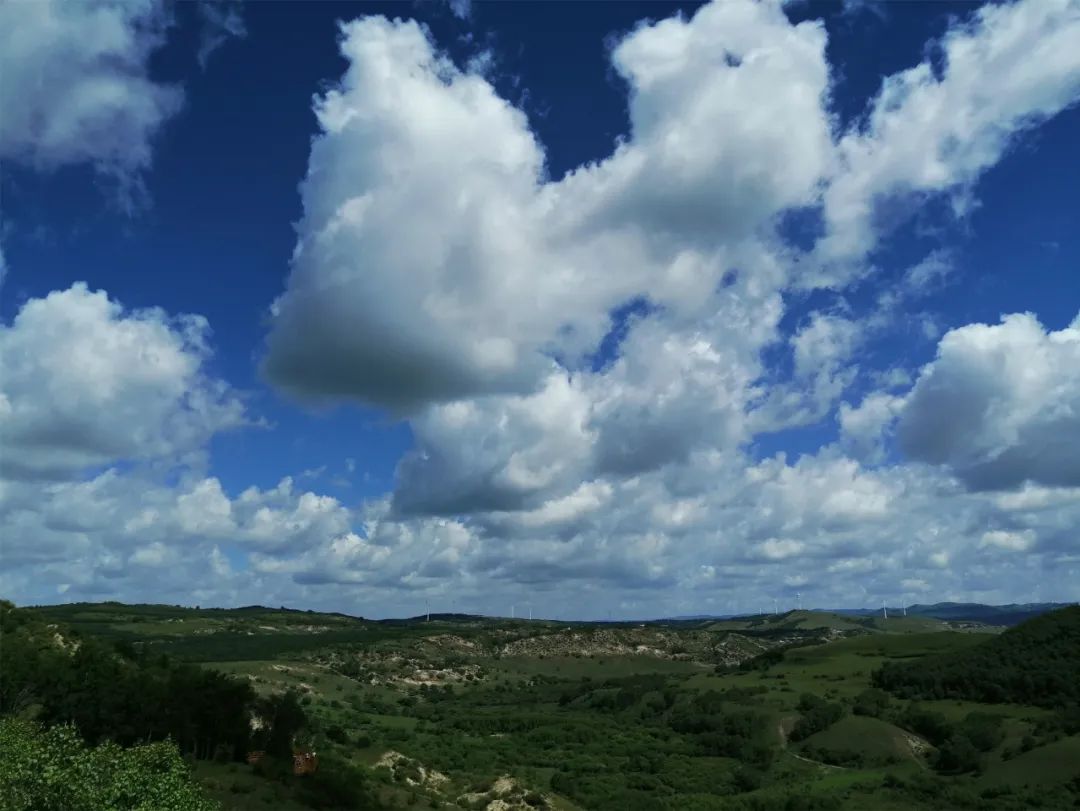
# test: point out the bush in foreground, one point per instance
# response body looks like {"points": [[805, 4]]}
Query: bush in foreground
{"points": [[54, 770]]}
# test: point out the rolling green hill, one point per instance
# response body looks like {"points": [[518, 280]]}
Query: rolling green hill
{"points": [[859, 741], [1057, 762], [1037, 663]]}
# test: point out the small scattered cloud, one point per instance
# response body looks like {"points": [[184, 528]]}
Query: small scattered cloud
{"points": [[221, 20], [77, 87], [462, 9]]}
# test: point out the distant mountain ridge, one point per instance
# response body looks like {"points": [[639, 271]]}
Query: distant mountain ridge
{"points": [[1011, 614]]}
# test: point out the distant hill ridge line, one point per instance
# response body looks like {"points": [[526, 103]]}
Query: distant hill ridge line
{"points": [[1000, 615], [1009, 614]]}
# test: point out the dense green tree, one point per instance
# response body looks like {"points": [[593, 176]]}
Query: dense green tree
{"points": [[817, 715], [122, 696], [931, 724], [983, 730], [957, 755], [872, 702]]}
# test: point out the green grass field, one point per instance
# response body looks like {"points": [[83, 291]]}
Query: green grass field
{"points": [[1056, 762]]}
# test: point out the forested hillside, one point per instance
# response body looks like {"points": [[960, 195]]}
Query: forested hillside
{"points": [[1035, 663], [82, 701]]}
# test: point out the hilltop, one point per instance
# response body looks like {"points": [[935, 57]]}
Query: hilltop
{"points": [[1011, 614], [1002, 615]]}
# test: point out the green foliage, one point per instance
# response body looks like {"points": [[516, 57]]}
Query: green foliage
{"points": [[723, 730], [336, 734], [109, 695], [338, 785], [283, 719], [570, 727], [54, 770], [983, 730], [957, 755], [931, 724], [1034, 663], [818, 715], [871, 702]]}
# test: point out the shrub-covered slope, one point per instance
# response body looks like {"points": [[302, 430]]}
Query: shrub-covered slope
{"points": [[1034, 663]]}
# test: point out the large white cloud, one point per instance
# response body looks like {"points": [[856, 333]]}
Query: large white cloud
{"points": [[435, 261], [728, 127], [439, 271], [1005, 69], [1000, 405], [76, 87], [497, 453], [84, 383]]}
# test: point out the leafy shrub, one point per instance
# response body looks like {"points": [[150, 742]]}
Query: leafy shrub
{"points": [[54, 770], [818, 715], [983, 730], [872, 702], [930, 724], [336, 734], [957, 755], [337, 785]]}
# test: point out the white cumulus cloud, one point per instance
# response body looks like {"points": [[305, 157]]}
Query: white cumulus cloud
{"points": [[84, 383], [76, 85], [1000, 405], [1006, 68]]}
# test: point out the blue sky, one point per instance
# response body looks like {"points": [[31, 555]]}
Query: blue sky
{"points": [[637, 308]]}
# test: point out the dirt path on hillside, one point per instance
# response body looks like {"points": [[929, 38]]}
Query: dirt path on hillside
{"points": [[919, 749]]}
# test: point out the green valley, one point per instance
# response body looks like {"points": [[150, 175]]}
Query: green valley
{"points": [[802, 710]]}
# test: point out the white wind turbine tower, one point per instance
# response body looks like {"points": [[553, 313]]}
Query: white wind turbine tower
{"points": [[775, 610], [798, 601], [884, 610]]}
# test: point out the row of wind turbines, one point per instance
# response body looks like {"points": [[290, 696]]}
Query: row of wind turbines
{"points": [[513, 611], [798, 606]]}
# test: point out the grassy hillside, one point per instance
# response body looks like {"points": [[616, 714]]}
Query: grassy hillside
{"points": [[1057, 762], [1036, 663], [1012, 614], [861, 741]]}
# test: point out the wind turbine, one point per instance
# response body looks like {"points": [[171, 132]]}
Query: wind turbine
{"points": [[798, 601], [427, 608], [884, 610], [775, 610]]}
